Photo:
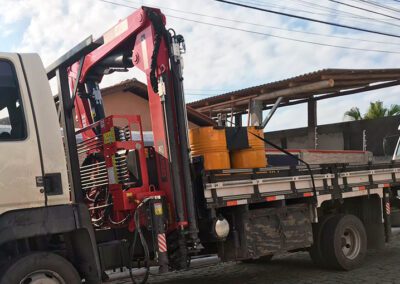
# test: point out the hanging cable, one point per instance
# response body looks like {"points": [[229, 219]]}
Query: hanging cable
{"points": [[309, 19], [364, 9], [376, 4], [266, 34], [268, 26]]}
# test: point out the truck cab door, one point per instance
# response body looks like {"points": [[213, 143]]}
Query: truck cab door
{"points": [[20, 156]]}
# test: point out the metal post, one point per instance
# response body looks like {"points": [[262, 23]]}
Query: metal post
{"points": [[364, 140], [312, 123], [255, 112], [238, 119], [67, 122], [386, 213]]}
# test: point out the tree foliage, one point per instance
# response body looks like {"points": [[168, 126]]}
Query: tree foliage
{"points": [[375, 110], [353, 114]]}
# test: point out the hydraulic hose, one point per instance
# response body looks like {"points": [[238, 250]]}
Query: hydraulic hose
{"points": [[138, 232]]}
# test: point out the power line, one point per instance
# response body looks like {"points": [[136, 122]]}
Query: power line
{"points": [[329, 10], [308, 19], [267, 26], [265, 34], [376, 4], [324, 8], [364, 9], [314, 6]]}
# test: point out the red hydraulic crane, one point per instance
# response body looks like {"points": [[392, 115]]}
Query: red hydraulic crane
{"points": [[115, 177]]}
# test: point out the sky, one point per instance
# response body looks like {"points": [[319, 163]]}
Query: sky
{"points": [[219, 59]]}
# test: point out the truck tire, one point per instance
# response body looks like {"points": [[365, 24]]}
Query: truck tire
{"points": [[38, 267], [344, 242], [315, 250]]}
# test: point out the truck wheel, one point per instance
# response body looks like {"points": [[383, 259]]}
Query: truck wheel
{"points": [[344, 242], [316, 249], [40, 267]]}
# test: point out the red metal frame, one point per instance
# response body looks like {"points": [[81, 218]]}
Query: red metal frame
{"points": [[135, 33]]}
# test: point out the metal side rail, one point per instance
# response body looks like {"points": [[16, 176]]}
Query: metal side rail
{"points": [[224, 190]]}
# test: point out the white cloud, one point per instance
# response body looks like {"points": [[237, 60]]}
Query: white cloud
{"points": [[216, 58]]}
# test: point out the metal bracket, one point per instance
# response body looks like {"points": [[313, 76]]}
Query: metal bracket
{"points": [[271, 112]]}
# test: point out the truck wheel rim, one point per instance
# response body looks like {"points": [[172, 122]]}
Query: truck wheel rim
{"points": [[351, 243], [43, 277]]}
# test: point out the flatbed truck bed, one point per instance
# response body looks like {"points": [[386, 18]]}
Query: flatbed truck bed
{"points": [[237, 187]]}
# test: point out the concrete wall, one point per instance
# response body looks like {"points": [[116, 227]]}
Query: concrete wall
{"points": [[341, 136]]}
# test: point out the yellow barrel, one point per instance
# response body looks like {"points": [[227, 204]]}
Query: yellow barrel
{"points": [[211, 144], [253, 157]]}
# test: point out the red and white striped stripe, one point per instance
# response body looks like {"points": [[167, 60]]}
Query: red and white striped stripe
{"points": [[236, 202], [384, 185], [162, 243], [387, 208], [358, 188], [274, 198]]}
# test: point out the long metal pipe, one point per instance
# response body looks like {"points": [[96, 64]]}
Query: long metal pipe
{"points": [[297, 90]]}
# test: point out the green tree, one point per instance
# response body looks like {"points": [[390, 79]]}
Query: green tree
{"points": [[353, 114], [375, 110], [393, 110]]}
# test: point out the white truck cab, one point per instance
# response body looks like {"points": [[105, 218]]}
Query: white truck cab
{"points": [[36, 206], [30, 136]]}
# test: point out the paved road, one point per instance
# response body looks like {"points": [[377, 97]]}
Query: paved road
{"points": [[380, 267]]}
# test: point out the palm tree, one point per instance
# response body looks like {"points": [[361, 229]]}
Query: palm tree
{"points": [[393, 110], [375, 110], [353, 114]]}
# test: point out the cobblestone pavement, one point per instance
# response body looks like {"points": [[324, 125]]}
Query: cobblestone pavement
{"points": [[381, 266]]}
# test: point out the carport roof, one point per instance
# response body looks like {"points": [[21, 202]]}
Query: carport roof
{"points": [[321, 84]]}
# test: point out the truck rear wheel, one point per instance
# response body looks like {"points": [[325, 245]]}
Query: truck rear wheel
{"points": [[40, 267], [316, 249], [344, 241]]}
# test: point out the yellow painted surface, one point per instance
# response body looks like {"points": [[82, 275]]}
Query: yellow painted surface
{"points": [[253, 157], [211, 144]]}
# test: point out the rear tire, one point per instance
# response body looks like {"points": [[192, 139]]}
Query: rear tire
{"points": [[316, 249], [344, 242], [40, 266]]}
